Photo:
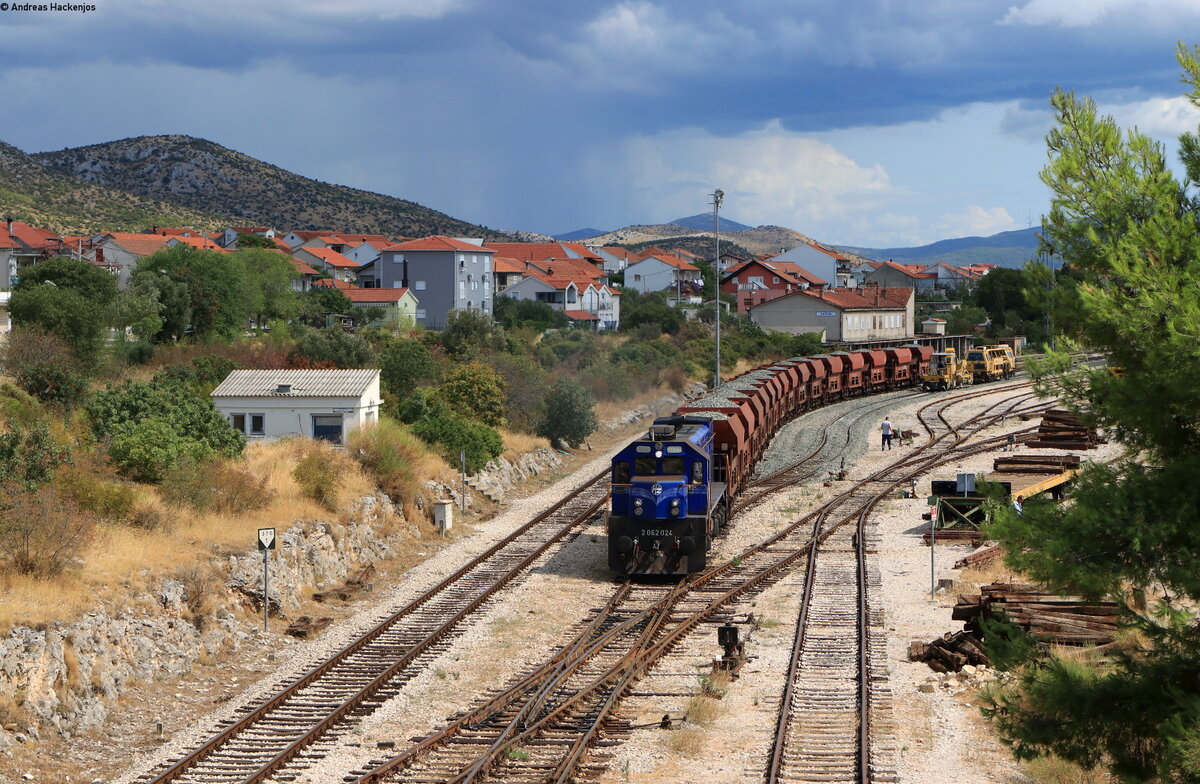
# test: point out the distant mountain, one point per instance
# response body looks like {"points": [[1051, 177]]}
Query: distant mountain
{"points": [[704, 222], [1007, 249], [763, 239], [579, 234], [32, 193], [203, 175]]}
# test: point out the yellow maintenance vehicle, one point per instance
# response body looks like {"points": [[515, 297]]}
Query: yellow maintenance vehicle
{"points": [[991, 363], [946, 371]]}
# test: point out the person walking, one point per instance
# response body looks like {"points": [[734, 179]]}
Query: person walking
{"points": [[886, 429], [1018, 502]]}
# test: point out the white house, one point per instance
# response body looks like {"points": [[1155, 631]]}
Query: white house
{"points": [[326, 404], [661, 272]]}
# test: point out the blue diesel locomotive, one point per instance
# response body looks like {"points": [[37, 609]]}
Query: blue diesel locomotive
{"points": [[668, 499]]}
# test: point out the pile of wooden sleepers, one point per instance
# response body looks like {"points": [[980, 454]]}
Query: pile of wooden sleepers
{"points": [[1035, 464], [1062, 429], [1045, 616]]}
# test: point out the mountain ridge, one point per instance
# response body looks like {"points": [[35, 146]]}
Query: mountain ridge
{"points": [[198, 173]]}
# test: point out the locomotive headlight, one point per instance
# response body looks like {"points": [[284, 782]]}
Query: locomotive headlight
{"points": [[637, 506], [675, 507]]}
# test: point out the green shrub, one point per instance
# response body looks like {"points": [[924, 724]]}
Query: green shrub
{"points": [[214, 485], [474, 391], [331, 347], [391, 453], [29, 456], [452, 434], [570, 412], [188, 414], [110, 502], [319, 474], [43, 365], [150, 449]]}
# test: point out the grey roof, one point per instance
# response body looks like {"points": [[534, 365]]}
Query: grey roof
{"points": [[352, 382]]}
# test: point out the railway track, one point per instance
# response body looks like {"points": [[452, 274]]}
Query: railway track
{"points": [[826, 733], [265, 738]]}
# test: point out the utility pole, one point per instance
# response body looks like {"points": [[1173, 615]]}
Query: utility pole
{"points": [[717, 196]]}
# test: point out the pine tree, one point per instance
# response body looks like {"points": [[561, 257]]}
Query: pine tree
{"points": [[1129, 227]]}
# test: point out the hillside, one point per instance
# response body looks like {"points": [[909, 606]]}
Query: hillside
{"points": [[40, 196], [201, 174], [703, 222], [764, 239], [1007, 249]]}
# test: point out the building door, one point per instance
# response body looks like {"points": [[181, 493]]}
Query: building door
{"points": [[327, 427]]}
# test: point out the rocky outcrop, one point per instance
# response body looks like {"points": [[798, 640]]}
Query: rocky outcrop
{"points": [[654, 408], [499, 476], [64, 676]]}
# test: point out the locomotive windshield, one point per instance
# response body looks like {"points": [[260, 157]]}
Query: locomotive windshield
{"points": [[621, 472], [645, 466], [672, 465]]}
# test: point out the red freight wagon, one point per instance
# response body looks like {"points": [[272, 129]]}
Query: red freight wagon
{"points": [[900, 367], [816, 387], [854, 363], [789, 378], [835, 382], [921, 358], [877, 368]]}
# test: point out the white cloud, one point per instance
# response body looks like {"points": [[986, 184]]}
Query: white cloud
{"points": [[1087, 13], [975, 221], [1158, 117], [771, 174]]}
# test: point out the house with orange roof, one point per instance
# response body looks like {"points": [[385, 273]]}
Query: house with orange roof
{"points": [[120, 251], [506, 272], [199, 243], [756, 282], [228, 237], [664, 272], [823, 262], [444, 273], [841, 315], [540, 253], [615, 258], [950, 277], [889, 274], [399, 305], [328, 261], [22, 245], [583, 299]]}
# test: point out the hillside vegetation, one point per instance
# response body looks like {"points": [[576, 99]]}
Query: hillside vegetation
{"points": [[200, 174], [43, 197]]}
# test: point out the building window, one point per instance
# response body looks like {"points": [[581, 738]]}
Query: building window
{"points": [[238, 421], [419, 285], [462, 289], [258, 424], [327, 427], [487, 263], [397, 258], [775, 279]]}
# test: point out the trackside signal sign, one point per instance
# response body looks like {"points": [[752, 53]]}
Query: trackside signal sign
{"points": [[266, 538]]}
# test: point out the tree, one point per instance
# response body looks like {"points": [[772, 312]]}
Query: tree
{"points": [[269, 274], [68, 298], [650, 309], [44, 366], [1121, 218], [245, 241], [468, 332], [512, 313], [220, 292], [1002, 291], [406, 364], [474, 391], [320, 302], [332, 347], [570, 413]]}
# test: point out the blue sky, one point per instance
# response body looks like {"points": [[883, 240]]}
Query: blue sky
{"points": [[875, 123]]}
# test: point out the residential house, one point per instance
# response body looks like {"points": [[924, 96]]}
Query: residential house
{"points": [[889, 274], [581, 298], [229, 236], [825, 263], [949, 277], [840, 315], [443, 273], [305, 276], [198, 242], [120, 252], [663, 272], [22, 245], [328, 261], [506, 272], [728, 261], [541, 253], [758, 281], [399, 305], [325, 404], [614, 258]]}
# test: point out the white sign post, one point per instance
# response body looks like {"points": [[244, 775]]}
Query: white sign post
{"points": [[266, 543]]}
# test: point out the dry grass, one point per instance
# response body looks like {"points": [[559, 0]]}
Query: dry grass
{"points": [[686, 741], [1051, 770], [517, 444], [703, 710], [610, 409]]}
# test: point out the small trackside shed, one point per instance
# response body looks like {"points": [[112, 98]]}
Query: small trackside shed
{"points": [[325, 404]]}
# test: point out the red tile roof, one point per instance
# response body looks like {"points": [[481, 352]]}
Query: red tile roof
{"points": [[580, 315], [673, 261], [543, 251], [163, 231], [330, 257], [30, 237], [137, 244], [865, 298], [332, 283], [303, 268], [507, 266], [574, 268], [358, 296], [438, 242]]}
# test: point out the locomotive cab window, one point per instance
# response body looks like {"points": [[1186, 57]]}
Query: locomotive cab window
{"points": [[645, 466], [672, 465], [698, 473], [620, 473]]}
